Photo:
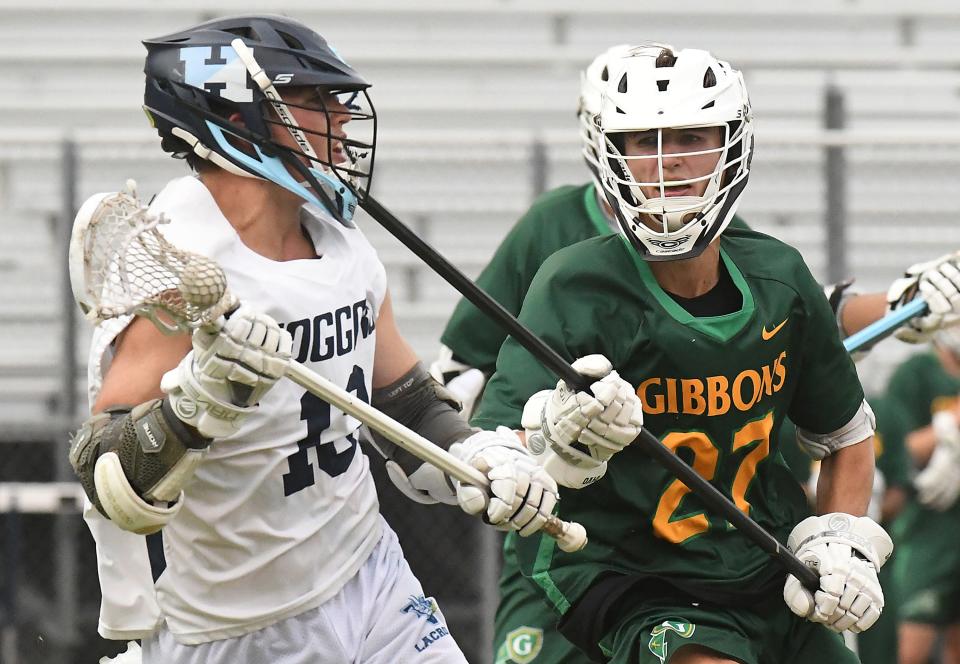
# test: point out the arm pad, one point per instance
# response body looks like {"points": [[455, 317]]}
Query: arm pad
{"points": [[132, 465], [860, 427], [420, 403]]}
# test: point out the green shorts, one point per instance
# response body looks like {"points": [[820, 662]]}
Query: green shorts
{"points": [[926, 566], [767, 634], [525, 631], [525, 627]]}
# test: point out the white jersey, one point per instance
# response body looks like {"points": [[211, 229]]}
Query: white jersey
{"points": [[283, 513]]}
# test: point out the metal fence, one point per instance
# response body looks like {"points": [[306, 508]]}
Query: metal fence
{"points": [[865, 202]]}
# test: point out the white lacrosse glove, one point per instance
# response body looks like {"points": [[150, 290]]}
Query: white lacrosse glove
{"points": [[464, 382], [938, 282], [226, 374], [847, 552], [522, 495], [604, 422], [938, 484]]}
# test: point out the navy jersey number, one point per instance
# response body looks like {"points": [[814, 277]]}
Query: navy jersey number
{"points": [[316, 412]]}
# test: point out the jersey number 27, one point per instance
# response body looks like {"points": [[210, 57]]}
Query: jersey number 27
{"points": [[706, 456]]}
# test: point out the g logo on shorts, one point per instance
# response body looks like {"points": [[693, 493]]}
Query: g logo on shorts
{"points": [[524, 644]]}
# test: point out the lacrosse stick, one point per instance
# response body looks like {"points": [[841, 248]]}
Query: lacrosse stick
{"points": [[886, 326], [120, 265], [646, 441]]}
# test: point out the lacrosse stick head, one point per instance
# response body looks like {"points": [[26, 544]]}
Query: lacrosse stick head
{"points": [[121, 264]]}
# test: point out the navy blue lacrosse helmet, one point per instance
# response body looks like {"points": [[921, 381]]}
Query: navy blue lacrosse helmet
{"points": [[196, 79]]}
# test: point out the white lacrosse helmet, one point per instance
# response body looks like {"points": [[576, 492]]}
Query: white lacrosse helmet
{"points": [[593, 80], [661, 89]]}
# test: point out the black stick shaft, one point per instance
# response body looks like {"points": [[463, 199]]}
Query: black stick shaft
{"points": [[711, 496], [479, 298]]}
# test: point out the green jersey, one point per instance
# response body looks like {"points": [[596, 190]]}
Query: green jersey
{"points": [[919, 388], [561, 217], [927, 559], [890, 442], [715, 389]]}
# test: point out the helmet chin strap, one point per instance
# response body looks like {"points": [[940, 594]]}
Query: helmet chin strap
{"points": [[245, 53]]}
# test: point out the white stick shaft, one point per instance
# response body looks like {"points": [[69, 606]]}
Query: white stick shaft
{"points": [[406, 438], [570, 536]]}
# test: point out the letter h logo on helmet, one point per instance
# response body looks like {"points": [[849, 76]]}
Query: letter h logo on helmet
{"points": [[218, 70]]}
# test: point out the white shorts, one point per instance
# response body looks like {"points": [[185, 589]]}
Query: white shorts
{"points": [[379, 617]]}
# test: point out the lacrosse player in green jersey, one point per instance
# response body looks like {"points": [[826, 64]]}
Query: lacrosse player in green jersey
{"points": [[927, 567], [524, 626], [559, 218], [724, 336]]}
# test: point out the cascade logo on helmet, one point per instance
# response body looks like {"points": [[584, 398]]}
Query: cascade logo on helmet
{"points": [[674, 136], [196, 81], [670, 244]]}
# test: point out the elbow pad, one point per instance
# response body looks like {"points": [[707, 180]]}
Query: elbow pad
{"points": [[133, 465], [420, 403], [860, 427]]}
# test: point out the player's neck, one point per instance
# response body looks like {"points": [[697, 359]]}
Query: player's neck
{"points": [[691, 277], [265, 216]]}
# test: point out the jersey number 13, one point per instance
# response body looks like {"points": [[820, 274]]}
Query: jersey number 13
{"points": [[316, 412]]}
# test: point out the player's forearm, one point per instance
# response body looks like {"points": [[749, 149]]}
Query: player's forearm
{"points": [[862, 310], [894, 500], [920, 444], [846, 480]]}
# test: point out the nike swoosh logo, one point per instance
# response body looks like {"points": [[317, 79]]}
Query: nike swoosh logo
{"points": [[769, 335]]}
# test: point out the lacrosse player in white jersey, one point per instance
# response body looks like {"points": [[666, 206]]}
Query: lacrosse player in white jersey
{"points": [[263, 539]]}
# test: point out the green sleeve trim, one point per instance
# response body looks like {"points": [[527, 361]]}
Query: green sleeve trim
{"points": [[595, 213], [541, 574], [721, 328]]}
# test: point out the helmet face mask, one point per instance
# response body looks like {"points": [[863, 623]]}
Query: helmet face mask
{"points": [[227, 91], [675, 140]]}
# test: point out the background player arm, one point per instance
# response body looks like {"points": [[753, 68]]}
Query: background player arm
{"points": [[938, 281], [921, 443], [860, 310]]}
